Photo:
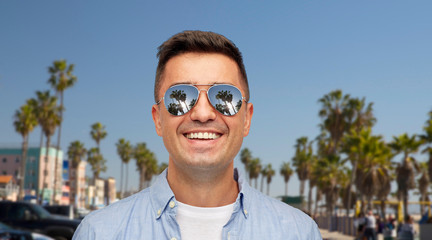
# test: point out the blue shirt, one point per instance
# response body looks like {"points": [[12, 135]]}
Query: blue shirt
{"points": [[151, 214]]}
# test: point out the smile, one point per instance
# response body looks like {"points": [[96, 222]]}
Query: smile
{"points": [[203, 135]]}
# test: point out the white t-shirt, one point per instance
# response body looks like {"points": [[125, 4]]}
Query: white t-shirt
{"points": [[370, 221], [198, 223]]}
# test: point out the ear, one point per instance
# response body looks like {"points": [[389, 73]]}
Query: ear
{"points": [[157, 119], [248, 119]]}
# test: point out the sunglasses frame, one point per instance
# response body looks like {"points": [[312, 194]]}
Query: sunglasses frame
{"points": [[207, 94]]}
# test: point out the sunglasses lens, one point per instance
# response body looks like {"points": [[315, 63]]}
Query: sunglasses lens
{"points": [[226, 99], [180, 99]]}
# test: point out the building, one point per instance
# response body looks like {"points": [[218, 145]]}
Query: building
{"points": [[77, 183], [110, 191], [40, 174], [99, 192], [8, 188]]}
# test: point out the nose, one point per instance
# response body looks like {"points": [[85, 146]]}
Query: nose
{"points": [[203, 111]]}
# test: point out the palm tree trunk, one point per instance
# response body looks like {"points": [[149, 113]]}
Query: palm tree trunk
{"points": [[302, 185], [310, 197], [56, 175], [38, 192], [141, 180], [268, 189], [121, 181], [405, 202], [22, 172], [126, 177], [286, 188], [247, 174], [45, 184], [353, 176], [422, 207], [262, 183], [317, 198], [383, 207]]}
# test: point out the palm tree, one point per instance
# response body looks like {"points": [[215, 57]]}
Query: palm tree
{"points": [[312, 181], [374, 167], [162, 167], [427, 140], [370, 158], [263, 176], [423, 184], [144, 158], [125, 151], [359, 116], [25, 121], [76, 152], [286, 172], [333, 113], [254, 169], [151, 169], [269, 174], [97, 162], [180, 96], [302, 161], [98, 133], [330, 171], [48, 115], [245, 157], [405, 171], [61, 79], [226, 97]]}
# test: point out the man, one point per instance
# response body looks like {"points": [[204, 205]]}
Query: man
{"points": [[202, 113], [370, 228]]}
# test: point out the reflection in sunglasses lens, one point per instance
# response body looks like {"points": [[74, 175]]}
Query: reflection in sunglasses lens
{"points": [[181, 99], [226, 99]]}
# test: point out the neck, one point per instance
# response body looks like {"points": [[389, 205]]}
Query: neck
{"points": [[203, 189]]}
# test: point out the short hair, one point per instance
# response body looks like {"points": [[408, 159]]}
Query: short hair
{"points": [[199, 42]]}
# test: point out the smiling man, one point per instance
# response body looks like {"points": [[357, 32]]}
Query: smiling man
{"points": [[202, 113]]}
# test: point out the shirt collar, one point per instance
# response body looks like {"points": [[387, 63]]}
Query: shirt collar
{"points": [[161, 194]]}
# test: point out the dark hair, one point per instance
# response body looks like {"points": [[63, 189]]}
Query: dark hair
{"points": [[200, 42]]}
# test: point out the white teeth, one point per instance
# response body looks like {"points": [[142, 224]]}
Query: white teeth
{"points": [[202, 135]]}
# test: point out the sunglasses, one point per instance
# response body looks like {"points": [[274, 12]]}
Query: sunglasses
{"points": [[180, 99]]}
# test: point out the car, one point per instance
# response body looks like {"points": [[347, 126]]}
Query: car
{"points": [[32, 217], [60, 210], [8, 233]]}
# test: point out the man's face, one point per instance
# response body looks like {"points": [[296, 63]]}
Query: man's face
{"points": [[191, 153]]}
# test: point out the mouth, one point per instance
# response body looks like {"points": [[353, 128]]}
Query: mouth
{"points": [[202, 135]]}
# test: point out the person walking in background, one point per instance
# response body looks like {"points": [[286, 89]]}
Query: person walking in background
{"points": [[407, 230], [370, 226], [359, 224], [390, 229]]}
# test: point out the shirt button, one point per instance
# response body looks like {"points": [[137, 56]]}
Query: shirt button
{"points": [[245, 211], [159, 212], [172, 204], [173, 238]]}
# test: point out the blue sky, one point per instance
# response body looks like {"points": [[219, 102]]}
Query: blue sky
{"points": [[294, 52]]}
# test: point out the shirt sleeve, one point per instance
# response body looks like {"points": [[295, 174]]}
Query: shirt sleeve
{"points": [[84, 231], [316, 234]]}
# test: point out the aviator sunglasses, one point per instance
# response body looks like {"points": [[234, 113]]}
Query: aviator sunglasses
{"points": [[180, 99]]}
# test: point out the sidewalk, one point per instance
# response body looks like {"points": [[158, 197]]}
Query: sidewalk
{"points": [[326, 235]]}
